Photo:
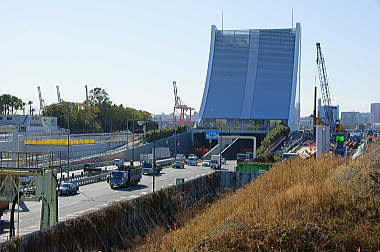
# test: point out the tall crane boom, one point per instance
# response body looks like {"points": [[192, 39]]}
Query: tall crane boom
{"points": [[42, 102], [325, 89], [58, 95]]}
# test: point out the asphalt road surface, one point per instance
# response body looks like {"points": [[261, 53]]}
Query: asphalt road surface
{"points": [[98, 195]]}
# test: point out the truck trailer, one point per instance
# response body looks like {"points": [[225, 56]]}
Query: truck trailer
{"points": [[125, 176]]}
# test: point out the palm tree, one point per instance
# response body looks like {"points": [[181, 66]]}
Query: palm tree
{"points": [[30, 107], [23, 108], [7, 101]]}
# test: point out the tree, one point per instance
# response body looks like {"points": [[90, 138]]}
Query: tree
{"points": [[98, 114], [10, 104], [99, 96], [30, 107]]}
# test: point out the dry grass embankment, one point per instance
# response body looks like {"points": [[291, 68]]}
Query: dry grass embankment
{"points": [[299, 204]]}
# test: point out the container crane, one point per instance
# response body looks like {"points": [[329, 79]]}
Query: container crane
{"points": [[42, 102], [59, 95], [181, 107]]}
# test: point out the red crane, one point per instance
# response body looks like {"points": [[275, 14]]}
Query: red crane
{"points": [[181, 109]]}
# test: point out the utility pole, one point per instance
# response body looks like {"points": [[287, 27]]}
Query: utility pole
{"points": [[154, 157], [175, 141], [315, 113], [133, 138], [220, 147], [68, 141]]}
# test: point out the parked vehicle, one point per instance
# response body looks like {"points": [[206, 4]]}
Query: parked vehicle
{"points": [[68, 188], [125, 176], [178, 164], [240, 158], [206, 163], [214, 164], [192, 161]]}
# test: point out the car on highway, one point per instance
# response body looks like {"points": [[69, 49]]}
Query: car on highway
{"points": [[206, 163], [192, 161], [214, 164], [68, 188], [178, 164]]}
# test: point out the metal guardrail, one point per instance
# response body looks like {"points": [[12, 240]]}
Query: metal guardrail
{"points": [[90, 180]]}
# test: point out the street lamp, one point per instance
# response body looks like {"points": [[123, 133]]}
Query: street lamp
{"points": [[68, 137], [143, 123], [68, 140], [133, 139], [154, 157], [220, 146]]}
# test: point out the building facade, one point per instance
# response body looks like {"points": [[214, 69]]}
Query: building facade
{"points": [[375, 112], [28, 123], [252, 79], [306, 123], [352, 119]]}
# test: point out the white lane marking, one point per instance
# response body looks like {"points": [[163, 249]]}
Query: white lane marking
{"points": [[123, 197], [170, 184], [144, 193], [132, 196]]}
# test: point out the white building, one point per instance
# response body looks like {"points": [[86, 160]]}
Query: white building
{"points": [[27, 123]]}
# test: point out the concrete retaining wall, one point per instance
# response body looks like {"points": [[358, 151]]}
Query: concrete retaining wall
{"points": [[237, 179]]}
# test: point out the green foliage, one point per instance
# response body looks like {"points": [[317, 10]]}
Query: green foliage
{"points": [[266, 158], [274, 134], [98, 114], [163, 133], [10, 104]]}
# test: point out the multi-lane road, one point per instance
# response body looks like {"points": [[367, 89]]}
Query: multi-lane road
{"points": [[98, 195]]}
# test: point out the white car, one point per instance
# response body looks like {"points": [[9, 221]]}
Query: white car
{"points": [[206, 163]]}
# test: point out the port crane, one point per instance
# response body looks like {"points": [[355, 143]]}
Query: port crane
{"points": [[42, 101], [59, 95], [180, 107]]}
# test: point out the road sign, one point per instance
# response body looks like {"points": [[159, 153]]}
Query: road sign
{"points": [[212, 134]]}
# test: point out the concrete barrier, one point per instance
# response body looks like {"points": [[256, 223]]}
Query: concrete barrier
{"points": [[116, 226]]}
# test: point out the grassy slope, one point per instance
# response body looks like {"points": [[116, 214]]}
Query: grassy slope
{"points": [[299, 204]]}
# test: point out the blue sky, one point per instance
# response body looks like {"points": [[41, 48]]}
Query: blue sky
{"points": [[135, 49]]}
